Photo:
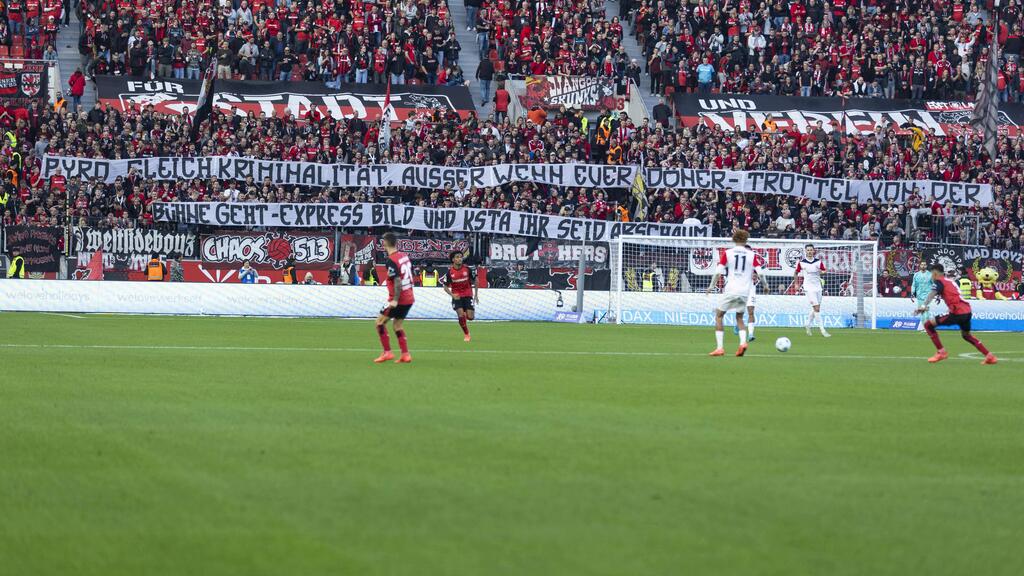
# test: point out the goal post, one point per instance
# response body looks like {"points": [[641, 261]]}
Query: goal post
{"points": [[665, 280]]}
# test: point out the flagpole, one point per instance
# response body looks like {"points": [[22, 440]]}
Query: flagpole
{"points": [[843, 120], [384, 130], [985, 118], [995, 57]]}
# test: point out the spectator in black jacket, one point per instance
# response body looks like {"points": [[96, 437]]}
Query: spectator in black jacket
{"points": [[165, 58], [485, 74], [661, 113]]}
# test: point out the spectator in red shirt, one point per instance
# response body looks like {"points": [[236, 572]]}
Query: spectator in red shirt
{"points": [[77, 88]]}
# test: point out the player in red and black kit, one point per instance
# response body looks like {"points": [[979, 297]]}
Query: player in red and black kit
{"points": [[460, 284], [400, 300], [959, 315]]}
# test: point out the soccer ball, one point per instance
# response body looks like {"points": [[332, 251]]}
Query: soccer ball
{"points": [[783, 344]]}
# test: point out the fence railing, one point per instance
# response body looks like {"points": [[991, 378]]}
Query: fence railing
{"points": [[953, 229]]}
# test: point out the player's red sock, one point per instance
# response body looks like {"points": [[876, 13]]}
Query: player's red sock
{"points": [[385, 341], [402, 342], [463, 325], [933, 334], [977, 343]]}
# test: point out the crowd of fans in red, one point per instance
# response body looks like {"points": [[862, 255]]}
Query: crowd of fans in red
{"points": [[339, 41], [868, 48], [871, 48], [882, 48], [841, 42], [453, 141]]}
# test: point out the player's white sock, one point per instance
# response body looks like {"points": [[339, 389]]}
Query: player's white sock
{"points": [[810, 319], [720, 339], [821, 322], [750, 328], [743, 337]]}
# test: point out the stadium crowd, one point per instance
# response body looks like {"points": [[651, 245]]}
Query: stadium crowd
{"points": [[807, 47], [877, 48], [341, 41], [870, 48], [451, 140], [28, 28]]}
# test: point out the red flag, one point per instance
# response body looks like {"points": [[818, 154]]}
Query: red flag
{"points": [[95, 267]]}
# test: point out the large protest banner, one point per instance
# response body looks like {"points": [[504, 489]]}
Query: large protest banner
{"points": [[466, 220], [852, 115], [572, 175], [364, 101]]}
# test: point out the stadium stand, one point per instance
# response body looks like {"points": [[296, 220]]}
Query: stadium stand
{"points": [[812, 48], [347, 41], [454, 141], [801, 48]]}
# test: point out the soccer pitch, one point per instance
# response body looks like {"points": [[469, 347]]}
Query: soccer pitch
{"points": [[178, 445]]}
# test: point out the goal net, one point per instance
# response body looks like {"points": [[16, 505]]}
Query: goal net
{"points": [[657, 280]]}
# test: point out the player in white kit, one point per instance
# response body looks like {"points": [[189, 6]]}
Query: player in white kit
{"points": [[810, 268], [740, 263], [751, 303]]}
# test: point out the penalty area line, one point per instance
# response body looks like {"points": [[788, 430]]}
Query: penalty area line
{"points": [[288, 349]]}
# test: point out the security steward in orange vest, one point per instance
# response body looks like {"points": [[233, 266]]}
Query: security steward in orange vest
{"points": [[156, 271], [604, 128], [614, 152], [289, 272]]}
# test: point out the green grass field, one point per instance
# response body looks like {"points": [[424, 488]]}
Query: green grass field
{"points": [[172, 445]]}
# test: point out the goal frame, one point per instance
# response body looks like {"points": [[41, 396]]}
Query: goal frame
{"points": [[621, 242]]}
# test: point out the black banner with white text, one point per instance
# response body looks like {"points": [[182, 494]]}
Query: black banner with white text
{"points": [[134, 242], [852, 115], [22, 82], [38, 245], [298, 99]]}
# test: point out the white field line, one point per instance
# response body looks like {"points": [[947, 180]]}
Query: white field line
{"points": [[467, 350], [65, 315]]}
